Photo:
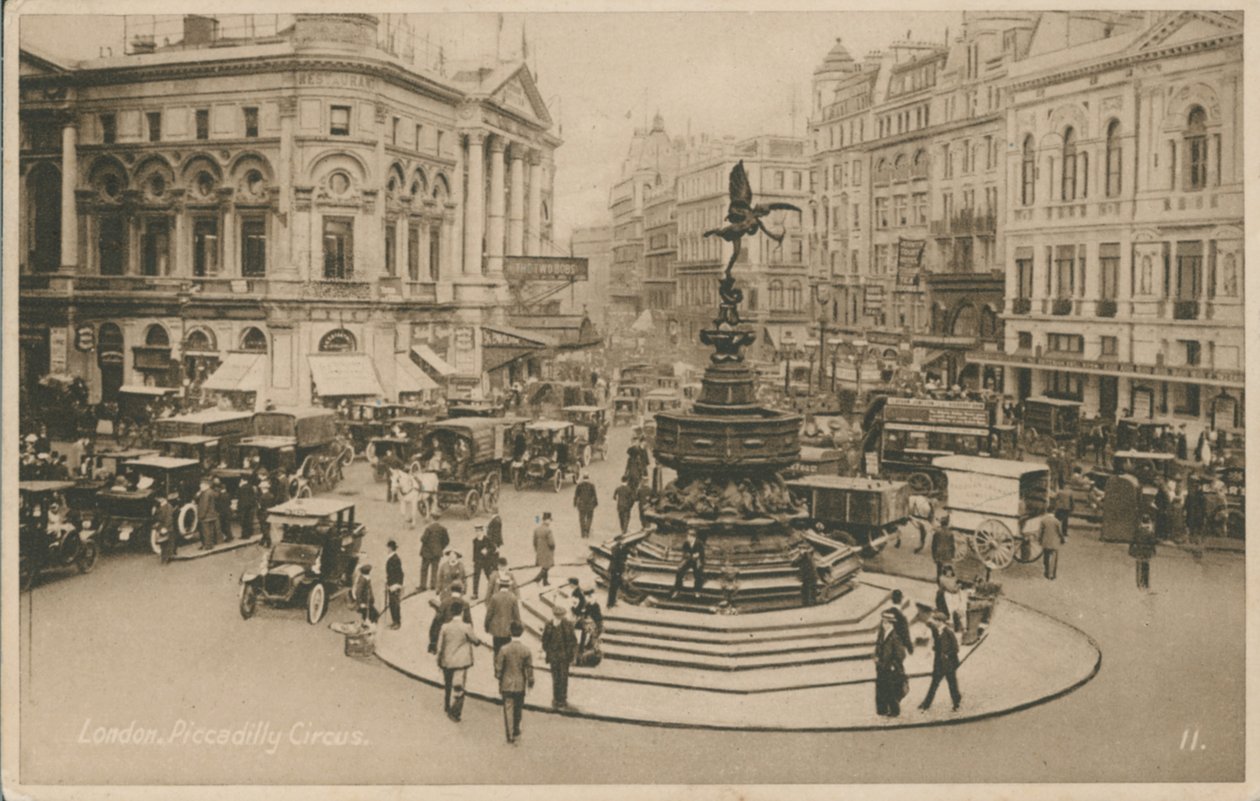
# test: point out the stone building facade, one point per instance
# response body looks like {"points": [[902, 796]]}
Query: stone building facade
{"points": [[270, 202]]}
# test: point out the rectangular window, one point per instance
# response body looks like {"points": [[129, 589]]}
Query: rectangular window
{"points": [[111, 245], [1065, 343], [205, 246], [900, 208], [203, 123], [881, 212], [947, 162], [1024, 273], [393, 131], [437, 142], [796, 180], [155, 250], [1024, 340], [1189, 270], [253, 247], [1109, 270], [1196, 168], [391, 250], [338, 248], [857, 217], [1065, 273], [920, 208], [1068, 386], [880, 259], [413, 252], [251, 121], [1108, 347], [967, 165], [947, 205], [778, 179], [339, 121], [154, 119], [109, 129], [857, 173], [796, 251], [435, 252], [419, 136], [838, 175]]}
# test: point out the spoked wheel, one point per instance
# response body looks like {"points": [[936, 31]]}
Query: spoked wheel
{"points": [[994, 544], [248, 601], [490, 494], [346, 456], [89, 552], [316, 604], [921, 483], [154, 543], [1027, 549], [472, 502]]}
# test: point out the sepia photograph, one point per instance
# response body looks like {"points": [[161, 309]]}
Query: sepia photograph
{"points": [[687, 398]]}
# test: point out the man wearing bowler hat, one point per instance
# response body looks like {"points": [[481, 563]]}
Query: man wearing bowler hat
{"points": [[944, 663]]}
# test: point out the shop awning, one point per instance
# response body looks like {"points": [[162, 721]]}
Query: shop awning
{"points": [[932, 357], [239, 372], [436, 363], [505, 336], [338, 375], [411, 378]]}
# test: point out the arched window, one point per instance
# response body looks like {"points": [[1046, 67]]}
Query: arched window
{"points": [[156, 337], [1068, 186], [109, 339], [794, 296], [254, 340], [1028, 173], [1114, 170], [199, 340], [337, 341], [776, 294], [1196, 148]]}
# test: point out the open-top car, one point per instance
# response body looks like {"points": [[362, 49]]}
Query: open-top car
{"points": [[590, 424], [127, 509], [551, 455], [50, 534], [313, 559], [1150, 468], [629, 403]]}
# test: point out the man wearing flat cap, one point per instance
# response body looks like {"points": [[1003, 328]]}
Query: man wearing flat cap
{"points": [[502, 612], [944, 663]]}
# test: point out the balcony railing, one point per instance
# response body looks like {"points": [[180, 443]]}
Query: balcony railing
{"points": [[1021, 306], [1061, 306], [1106, 308], [1185, 310], [967, 222]]}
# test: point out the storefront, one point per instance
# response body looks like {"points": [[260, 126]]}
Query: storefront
{"points": [[343, 376], [511, 355]]}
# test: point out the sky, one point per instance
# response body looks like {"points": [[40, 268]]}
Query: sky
{"points": [[604, 74]]}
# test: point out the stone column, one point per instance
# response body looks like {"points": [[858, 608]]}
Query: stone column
{"points": [[375, 219], [422, 244], [453, 249], [516, 203], [402, 258], [69, 206], [494, 221], [283, 219], [474, 205], [533, 224]]}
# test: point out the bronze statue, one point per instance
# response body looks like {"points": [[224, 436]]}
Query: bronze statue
{"points": [[744, 219]]}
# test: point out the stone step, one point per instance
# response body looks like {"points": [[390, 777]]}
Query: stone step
{"points": [[756, 648], [656, 656], [669, 634]]}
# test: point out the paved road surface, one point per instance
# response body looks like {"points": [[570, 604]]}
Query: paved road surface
{"points": [[137, 647]]}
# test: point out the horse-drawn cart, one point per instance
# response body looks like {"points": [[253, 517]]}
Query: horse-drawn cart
{"points": [[462, 464], [861, 512], [994, 503]]}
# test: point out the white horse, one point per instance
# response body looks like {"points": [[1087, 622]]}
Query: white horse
{"points": [[413, 493]]}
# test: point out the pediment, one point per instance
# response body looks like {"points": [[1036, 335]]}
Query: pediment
{"points": [[520, 94], [1187, 26]]}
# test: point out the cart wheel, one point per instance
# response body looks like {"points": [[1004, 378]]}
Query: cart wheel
{"points": [[472, 501], [994, 544], [424, 508], [921, 483], [557, 480], [490, 493], [304, 491], [249, 601], [89, 552], [296, 487], [346, 458], [1027, 549], [316, 604]]}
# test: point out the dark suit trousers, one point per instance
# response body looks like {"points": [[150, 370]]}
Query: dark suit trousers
{"points": [[477, 571], [1063, 516], [951, 677], [428, 573], [559, 683], [585, 518], [513, 706], [614, 585], [395, 606], [499, 642], [887, 692], [693, 567], [623, 517], [1050, 561]]}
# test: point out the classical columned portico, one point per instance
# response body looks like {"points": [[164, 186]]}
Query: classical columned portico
{"points": [[516, 202], [474, 204], [69, 205], [533, 227], [494, 220]]}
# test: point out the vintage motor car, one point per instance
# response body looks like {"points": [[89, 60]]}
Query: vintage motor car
{"points": [[994, 504], [628, 405], [228, 427], [303, 441], [50, 534], [135, 424], [366, 421], [591, 426], [97, 474], [126, 513], [312, 561], [1049, 422], [1145, 434], [551, 455], [404, 437], [208, 451]]}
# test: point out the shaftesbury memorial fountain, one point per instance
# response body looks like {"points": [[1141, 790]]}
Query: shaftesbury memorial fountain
{"points": [[727, 453]]}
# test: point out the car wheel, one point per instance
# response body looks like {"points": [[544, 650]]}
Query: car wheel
{"points": [[472, 502], [154, 543], [920, 483], [187, 520], [316, 604], [249, 601], [88, 554]]}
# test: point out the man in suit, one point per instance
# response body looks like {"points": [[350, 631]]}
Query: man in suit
{"points": [[444, 609], [451, 570], [617, 567], [208, 516], [485, 558], [625, 498], [900, 624], [1063, 505], [503, 612], [544, 549], [585, 498], [224, 502], [692, 561], [247, 507], [455, 643], [1050, 535], [559, 643], [365, 600], [890, 673], [943, 545], [944, 662], [164, 525], [394, 584], [433, 543], [514, 668]]}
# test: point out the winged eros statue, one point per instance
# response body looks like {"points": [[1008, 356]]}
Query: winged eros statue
{"points": [[744, 220]]}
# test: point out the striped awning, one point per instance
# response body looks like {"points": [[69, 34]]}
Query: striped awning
{"points": [[239, 372], [340, 375]]}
